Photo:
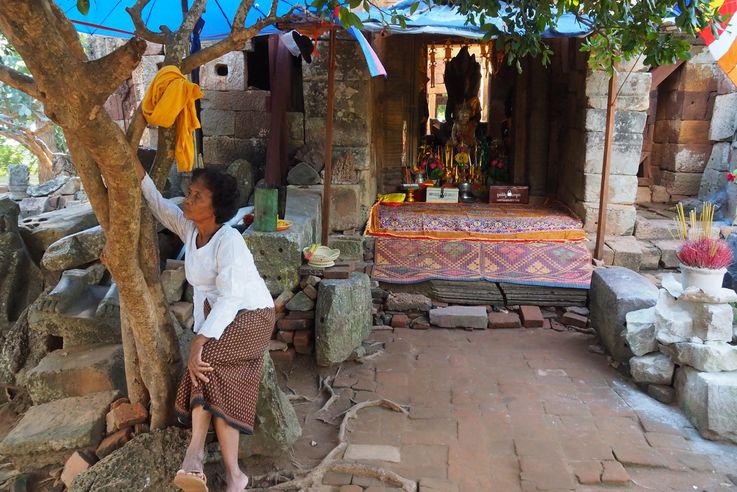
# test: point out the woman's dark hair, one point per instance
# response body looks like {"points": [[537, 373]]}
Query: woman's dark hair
{"points": [[224, 189]]}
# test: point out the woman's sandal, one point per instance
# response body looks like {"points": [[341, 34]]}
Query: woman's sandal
{"points": [[191, 481]]}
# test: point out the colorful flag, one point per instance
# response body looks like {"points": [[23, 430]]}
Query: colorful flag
{"points": [[724, 47]]}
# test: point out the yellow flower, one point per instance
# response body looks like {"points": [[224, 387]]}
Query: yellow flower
{"points": [[462, 158]]}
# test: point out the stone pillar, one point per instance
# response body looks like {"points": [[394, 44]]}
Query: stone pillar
{"points": [[352, 128], [629, 124], [18, 179]]}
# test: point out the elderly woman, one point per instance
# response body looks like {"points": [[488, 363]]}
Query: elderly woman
{"points": [[233, 321]]}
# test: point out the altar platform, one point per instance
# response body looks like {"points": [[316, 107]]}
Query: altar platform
{"points": [[452, 245]]}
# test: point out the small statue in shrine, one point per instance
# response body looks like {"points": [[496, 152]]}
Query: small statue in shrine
{"points": [[464, 126]]}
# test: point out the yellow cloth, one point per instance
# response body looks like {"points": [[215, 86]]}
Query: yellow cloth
{"points": [[170, 99]]}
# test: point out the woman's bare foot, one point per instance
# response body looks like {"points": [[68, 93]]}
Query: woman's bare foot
{"points": [[236, 483], [193, 460]]}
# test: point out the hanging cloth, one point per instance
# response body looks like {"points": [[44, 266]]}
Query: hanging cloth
{"points": [[170, 99]]}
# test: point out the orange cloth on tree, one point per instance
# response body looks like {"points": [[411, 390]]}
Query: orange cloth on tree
{"points": [[170, 99]]}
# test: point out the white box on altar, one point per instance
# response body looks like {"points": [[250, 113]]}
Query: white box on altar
{"points": [[441, 195]]}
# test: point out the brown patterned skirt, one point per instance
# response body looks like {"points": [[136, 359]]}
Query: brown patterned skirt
{"points": [[237, 360]]}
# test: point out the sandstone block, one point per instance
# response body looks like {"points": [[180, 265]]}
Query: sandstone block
{"points": [[351, 247], [372, 452], [184, 313], [74, 250], [693, 131], [685, 157], [704, 357], [724, 117], [650, 256], [239, 100], [227, 73], [652, 368], [342, 317], [697, 78], [624, 121], [460, 317], [303, 174], [640, 331], [301, 302], [654, 228], [218, 122], [252, 124], [626, 153], [50, 433], [627, 251], [709, 400], [681, 183], [620, 218], [41, 231], [222, 149], [668, 250], [49, 187], [408, 302], [531, 316], [661, 392], [622, 189], [277, 426], [634, 94], [615, 292], [77, 371], [173, 282]]}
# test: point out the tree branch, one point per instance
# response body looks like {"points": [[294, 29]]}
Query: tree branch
{"points": [[114, 68], [193, 14], [141, 29], [20, 81], [239, 20], [136, 128], [235, 40], [67, 32]]}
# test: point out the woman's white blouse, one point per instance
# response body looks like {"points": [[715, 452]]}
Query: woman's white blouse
{"points": [[222, 271]]}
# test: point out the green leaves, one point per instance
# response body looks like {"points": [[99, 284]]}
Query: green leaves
{"points": [[83, 6]]}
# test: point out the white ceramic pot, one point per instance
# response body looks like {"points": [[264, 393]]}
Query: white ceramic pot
{"points": [[706, 279]]}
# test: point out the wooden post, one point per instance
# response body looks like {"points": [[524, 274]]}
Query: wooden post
{"points": [[604, 192], [519, 166], [326, 194]]}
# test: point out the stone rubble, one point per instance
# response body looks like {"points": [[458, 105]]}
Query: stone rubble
{"points": [[682, 347]]}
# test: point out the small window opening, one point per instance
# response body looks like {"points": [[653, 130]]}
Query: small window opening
{"points": [[221, 69]]}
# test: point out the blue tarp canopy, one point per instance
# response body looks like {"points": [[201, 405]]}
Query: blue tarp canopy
{"points": [[446, 20], [109, 17]]}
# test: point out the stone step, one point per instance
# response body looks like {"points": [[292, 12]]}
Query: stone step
{"points": [[646, 228], [48, 434], [627, 251], [77, 371], [460, 317]]}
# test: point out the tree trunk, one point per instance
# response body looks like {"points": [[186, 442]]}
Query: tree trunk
{"points": [[73, 95], [37, 147]]}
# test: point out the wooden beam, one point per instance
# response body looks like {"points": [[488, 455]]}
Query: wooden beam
{"points": [[659, 74], [604, 192], [326, 194]]}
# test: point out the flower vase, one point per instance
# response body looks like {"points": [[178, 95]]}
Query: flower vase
{"points": [[707, 279]]}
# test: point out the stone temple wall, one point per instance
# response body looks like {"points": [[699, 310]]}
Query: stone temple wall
{"points": [[682, 140], [355, 189], [581, 184]]}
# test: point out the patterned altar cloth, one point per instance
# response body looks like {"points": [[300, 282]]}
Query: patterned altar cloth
{"points": [[553, 264], [475, 222]]}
